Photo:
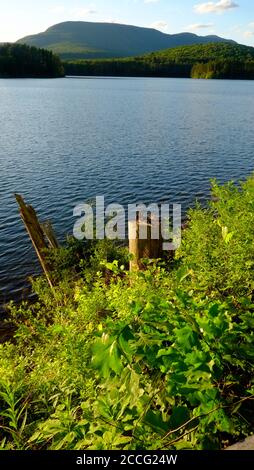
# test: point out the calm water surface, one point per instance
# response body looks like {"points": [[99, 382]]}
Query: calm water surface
{"points": [[65, 141]]}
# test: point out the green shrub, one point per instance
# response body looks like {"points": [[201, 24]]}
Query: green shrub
{"points": [[160, 359]]}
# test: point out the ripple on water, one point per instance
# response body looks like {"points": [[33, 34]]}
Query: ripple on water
{"points": [[131, 140]]}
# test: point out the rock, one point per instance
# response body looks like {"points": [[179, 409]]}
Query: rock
{"points": [[248, 444]]}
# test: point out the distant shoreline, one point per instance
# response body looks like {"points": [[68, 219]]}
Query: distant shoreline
{"points": [[91, 77], [210, 61], [30, 77]]}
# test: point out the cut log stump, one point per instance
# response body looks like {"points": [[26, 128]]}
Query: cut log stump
{"points": [[143, 242]]}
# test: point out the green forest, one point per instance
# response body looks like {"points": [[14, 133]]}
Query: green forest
{"points": [[21, 61], [214, 60], [157, 359]]}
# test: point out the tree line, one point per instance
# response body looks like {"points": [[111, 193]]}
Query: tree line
{"points": [[22, 61], [231, 69], [214, 60], [224, 69], [228, 61]]}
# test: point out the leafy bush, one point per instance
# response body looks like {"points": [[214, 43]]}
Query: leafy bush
{"points": [[159, 359]]}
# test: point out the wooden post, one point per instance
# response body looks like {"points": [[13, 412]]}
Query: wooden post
{"points": [[143, 249], [36, 234], [49, 234]]}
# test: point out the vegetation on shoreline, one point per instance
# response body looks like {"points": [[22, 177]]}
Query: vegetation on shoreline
{"points": [[214, 60], [160, 359], [21, 61]]}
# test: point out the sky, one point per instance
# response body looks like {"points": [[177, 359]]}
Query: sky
{"points": [[232, 19]]}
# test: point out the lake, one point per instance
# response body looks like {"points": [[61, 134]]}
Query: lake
{"points": [[66, 141]]}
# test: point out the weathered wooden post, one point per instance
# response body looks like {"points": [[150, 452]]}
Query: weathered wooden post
{"points": [[38, 234], [143, 242], [49, 234]]}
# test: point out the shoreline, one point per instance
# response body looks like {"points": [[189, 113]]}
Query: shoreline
{"points": [[126, 76]]}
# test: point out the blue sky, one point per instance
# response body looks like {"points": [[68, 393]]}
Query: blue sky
{"points": [[228, 18]]}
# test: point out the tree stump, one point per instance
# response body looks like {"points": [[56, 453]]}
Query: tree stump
{"points": [[149, 248]]}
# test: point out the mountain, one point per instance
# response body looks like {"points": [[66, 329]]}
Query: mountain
{"points": [[213, 60], [80, 40]]}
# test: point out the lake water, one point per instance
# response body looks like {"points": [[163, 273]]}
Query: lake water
{"points": [[65, 141]]}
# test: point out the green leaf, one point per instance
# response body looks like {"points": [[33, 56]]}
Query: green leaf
{"points": [[107, 356], [180, 416], [154, 420]]}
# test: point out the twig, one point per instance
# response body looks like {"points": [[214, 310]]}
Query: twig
{"points": [[181, 437], [207, 414]]}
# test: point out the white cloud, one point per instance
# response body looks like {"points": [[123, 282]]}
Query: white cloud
{"points": [[82, 12], [58, 10], [151, 1], [248, 34], [215, 7], [196, 26], [162, 25], [73, 13], [237, 29]]}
